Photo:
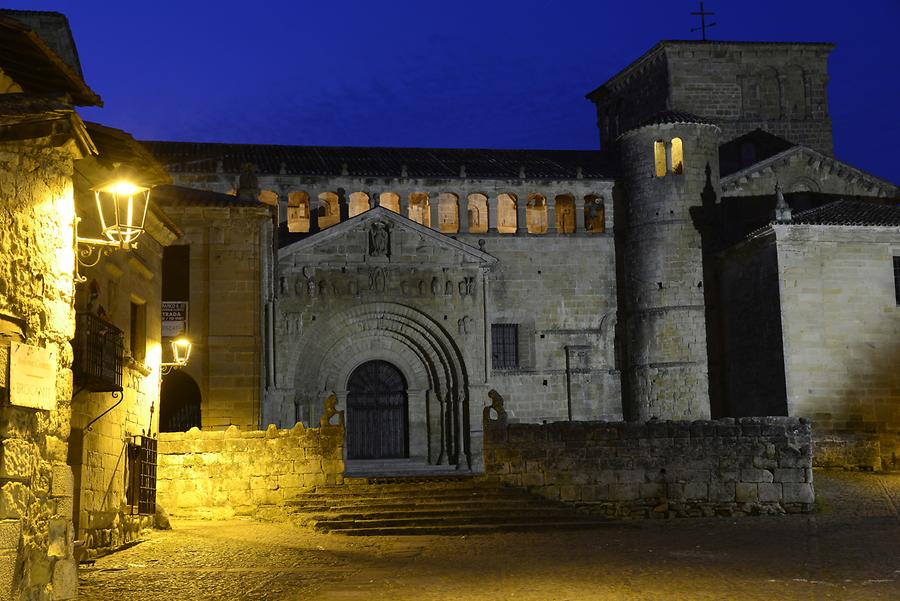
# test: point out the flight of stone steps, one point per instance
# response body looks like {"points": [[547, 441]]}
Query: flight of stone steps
{"points": [[430, 505]]}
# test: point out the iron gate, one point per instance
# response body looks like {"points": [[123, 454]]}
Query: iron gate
{"points": [[377, 412], [142, 472]]}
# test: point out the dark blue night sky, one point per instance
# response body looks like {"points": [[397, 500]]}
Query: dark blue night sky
{"points": [[455, 74]]}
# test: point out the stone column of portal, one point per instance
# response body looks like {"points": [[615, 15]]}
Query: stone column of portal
{"points": [[667, 366], [521, 217]]}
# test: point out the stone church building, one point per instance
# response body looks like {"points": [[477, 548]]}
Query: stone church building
{"points": [[714, 258]]}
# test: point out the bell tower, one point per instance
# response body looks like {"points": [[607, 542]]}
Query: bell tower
{"points": [[669, 167]]}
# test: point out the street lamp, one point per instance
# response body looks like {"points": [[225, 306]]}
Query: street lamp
{"points": [[122, 209], [181, 352]]}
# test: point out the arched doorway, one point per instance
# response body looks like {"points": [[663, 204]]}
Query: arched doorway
{"points": [[377, 423], [179, 403]]}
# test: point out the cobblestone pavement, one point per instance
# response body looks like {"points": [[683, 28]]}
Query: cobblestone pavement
{"points": [[849, 550]]}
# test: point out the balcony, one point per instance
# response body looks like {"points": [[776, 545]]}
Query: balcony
{"points": [[98, 353]]}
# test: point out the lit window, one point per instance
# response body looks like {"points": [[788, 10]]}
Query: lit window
{"points": [[476, 209], [298, 212], [359, 203], [659, 154], [329, 211], [506, 213], [677, 157], [536, 214], [565, 214], [390, 201], [448, 213], [419, 209], [504, 345]]}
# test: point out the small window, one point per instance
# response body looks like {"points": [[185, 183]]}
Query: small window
{"points": [[505, 345], [298, 212], [897, 280], [659, 156], [359, 203], [507, 213], [137, 340], [677, 157], [390, 201]]}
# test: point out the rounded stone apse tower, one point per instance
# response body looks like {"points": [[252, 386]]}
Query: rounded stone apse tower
{"points": [[670, 170]]}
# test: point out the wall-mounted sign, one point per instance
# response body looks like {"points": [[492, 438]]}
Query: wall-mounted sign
{"points": [[174, 318], [32, 376]]}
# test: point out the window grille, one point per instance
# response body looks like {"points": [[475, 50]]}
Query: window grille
{"points": [[142, 475], [98, 350], [505, 345], [897, 280]]}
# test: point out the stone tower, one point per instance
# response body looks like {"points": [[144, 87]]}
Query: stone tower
{"points": [[670, 168]]}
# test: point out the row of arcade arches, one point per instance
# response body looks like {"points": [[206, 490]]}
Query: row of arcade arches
{"points": [[534, 214]]}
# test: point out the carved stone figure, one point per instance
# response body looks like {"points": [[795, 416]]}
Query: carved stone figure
{"points": [[435, 286], [248, 183], [464, 325], [379, 240], [377, 281], [330, 412], [313, 288], [497, 407]]}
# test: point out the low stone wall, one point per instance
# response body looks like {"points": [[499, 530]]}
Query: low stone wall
{"points": [[657, 469], [218, 474]]}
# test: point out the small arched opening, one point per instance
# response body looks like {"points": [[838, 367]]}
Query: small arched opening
{"points": [[179, 403], [507, 206], [359, 203], [677, 156], [565, 213], [594, 214], [659, 158], [329, 210], [448, 213], [390, 201], [419, 209], [298, 212], [477, 210], [536, 214]]}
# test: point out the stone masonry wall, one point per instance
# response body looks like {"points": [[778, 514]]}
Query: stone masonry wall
{"points": [[217, 474], [660, 468], [36, 261], [841, 326]]}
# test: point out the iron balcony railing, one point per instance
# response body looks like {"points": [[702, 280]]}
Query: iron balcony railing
{"points": [[98, 354]]}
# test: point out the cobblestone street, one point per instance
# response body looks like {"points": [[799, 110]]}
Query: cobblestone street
{"points": [[849, 550]]}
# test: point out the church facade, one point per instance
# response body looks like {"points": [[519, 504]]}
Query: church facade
{"points": [[582, 285]]}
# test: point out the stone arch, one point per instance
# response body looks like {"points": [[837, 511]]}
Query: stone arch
{"points": [[594, 214], [419, 208], [390, 201], [507, 213], [329, 210], [359, 203], [803, 184], [565, 213], [298, 212], [414, 342], [179, 403], [268, 197], [477, 212], [448, 213], [536, 214], [761, 94]]}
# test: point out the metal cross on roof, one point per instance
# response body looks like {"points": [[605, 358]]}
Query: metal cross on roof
{"points": [[703, 25]]}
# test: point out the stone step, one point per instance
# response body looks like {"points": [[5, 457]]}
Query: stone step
{"points": [[435, 504], [456, 530], [377, 496], [487, 514]]}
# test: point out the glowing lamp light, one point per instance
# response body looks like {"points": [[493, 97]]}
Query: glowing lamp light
{"points": [[181, 352], [122, 207]]}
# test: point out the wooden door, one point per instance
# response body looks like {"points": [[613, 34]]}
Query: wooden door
{"points": [[377, 412]]}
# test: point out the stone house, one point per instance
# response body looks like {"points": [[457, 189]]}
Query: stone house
{"points": [[582, 284], [71, 399]]}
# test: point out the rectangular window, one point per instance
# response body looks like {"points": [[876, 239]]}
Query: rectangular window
{"points": [[137, 342], [897, 280], [505, 346]]}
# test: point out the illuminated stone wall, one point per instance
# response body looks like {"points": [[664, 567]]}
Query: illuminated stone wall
{"points": [[98, 455], [230, 271], [36, 259], [841, 326], [218, 474], [661, 468]]}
